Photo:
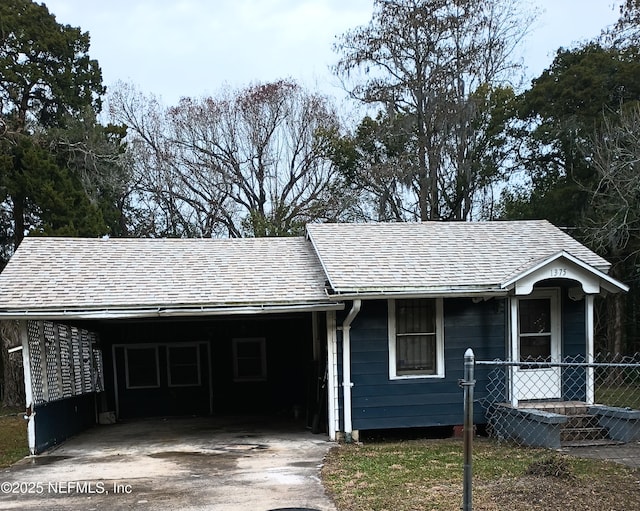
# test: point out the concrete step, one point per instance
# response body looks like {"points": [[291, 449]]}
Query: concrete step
{"points": [[561, 407], [589, 443], [576, 410], [581, 421], [580, 434]]}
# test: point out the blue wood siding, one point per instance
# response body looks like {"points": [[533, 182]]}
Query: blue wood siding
{"points": [[59, 420], [574, 344], [380, 403], [574, 336]]}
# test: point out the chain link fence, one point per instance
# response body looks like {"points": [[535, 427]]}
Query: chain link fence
{"points": [[586, 407]]}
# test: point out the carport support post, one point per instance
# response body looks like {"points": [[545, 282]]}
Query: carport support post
{"points": [[28, 389], [468, 383]]}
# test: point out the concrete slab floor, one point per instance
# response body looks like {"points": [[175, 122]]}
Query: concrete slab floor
{"points": [[191, 464]]}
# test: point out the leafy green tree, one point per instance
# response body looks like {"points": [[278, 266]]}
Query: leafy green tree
{"points": [[375, 162], [576, 154], [47, 199], [556, 119], [47, 81], [45, 69], [95, 156]]}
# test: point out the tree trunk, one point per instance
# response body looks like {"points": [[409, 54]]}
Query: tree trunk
{"points": [[18, 219], [12, 370], [615, 317]]}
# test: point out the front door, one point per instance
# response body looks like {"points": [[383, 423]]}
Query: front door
{"points": [[538, 342]]}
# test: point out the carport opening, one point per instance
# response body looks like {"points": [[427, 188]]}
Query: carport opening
{"points": [[271, 366]]}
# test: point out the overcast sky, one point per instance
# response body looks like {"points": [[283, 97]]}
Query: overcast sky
{"points": [[175, 48]]}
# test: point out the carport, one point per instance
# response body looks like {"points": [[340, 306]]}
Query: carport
{"points": [[116, 329]]}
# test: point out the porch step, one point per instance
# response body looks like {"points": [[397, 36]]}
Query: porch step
{"points": [[590, 443], [582, 434], [568, 408], [581, 428], [582, 420]]}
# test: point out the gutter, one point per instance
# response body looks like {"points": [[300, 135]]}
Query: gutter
{"points": [[346, 368], [418, 293], [155, 312]]}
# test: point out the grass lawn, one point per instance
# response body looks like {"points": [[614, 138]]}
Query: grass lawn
{"points": [[426, 475], [621, 395], [13, 436]]}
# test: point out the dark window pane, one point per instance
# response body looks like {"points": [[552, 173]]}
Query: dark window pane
{"points": [[249, 359], [416, 354], [248, 349], [142, 367], [415, 316], [535, 316], [184, 368], [535, 348], [249, 368], [416, 336]]}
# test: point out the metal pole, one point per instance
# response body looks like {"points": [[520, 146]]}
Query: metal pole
{"points": [[467, 384]]}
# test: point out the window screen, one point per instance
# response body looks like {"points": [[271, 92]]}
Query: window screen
{"points": [[415, 336]]}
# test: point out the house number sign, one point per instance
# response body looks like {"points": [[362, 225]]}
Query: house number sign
{"points": [[558, 272]]}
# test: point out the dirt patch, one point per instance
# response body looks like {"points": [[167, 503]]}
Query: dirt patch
{"points": [[427, 474], [553, 493]]}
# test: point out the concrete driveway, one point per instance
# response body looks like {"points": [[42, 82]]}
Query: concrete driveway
{"points": [[190, 464]]}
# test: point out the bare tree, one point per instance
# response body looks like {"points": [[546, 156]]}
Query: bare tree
{"points": [[245, 163], [626, 31], [156, 206], [439, 62], [612, 222]]}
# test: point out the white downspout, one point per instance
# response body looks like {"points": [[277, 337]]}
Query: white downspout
{"points": [[346, 368]]}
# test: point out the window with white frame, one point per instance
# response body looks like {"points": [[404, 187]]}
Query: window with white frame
{"points": [[416, 340], [539, 326], [142, 367], [249, 359], [183, 362]]}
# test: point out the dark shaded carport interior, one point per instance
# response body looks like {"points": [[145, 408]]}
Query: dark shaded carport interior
{"points": [[295, 364]]}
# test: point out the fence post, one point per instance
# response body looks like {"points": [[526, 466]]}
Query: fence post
{"points": [[468, 383]]}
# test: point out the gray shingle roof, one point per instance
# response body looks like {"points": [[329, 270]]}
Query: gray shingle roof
{"points": [[400, 257], [74, 273], [79, 274]]}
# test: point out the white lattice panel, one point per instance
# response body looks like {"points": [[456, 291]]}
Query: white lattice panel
{"points": [[66, 367], [65, 361], [87, 380], [77, 360], [35, 360], [51, 362]]}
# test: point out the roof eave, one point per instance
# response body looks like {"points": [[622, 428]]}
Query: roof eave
{"points": [[449, 292], [155, 312], [607, 282]]}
